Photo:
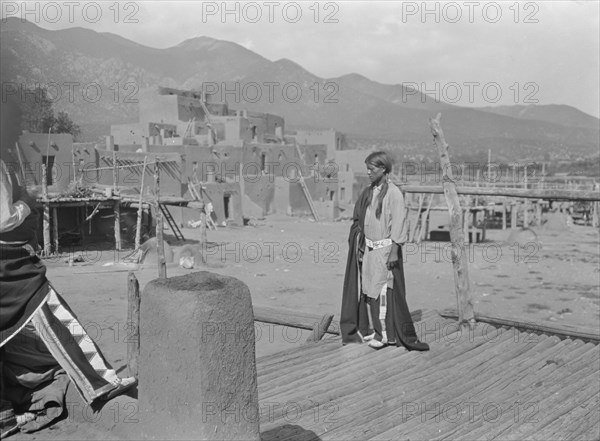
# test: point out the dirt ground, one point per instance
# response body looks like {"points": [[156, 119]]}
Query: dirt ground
{"points": [[299, 264]]}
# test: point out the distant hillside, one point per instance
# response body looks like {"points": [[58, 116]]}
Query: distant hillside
{"points": [[554, 113], [353, 104]]}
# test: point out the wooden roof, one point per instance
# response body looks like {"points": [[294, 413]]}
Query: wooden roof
{"points": [[487, 383]]}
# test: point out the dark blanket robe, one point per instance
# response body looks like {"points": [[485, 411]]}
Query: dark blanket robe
{"points": [[23, 288], [354, 317], [23, 284]]}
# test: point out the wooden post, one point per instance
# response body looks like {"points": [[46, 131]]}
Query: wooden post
{"points": [[320, 328], [46, 220], [115, 172], [21, 164], [138, 232], [55, 229], [465, 220], [414, 230], [526, 214], [595, 219], [133, 324], [117, 211], [73, 164], [160, 245], [460, 264], [538, 213], [504, 215], [425, 222], [514, 211]]}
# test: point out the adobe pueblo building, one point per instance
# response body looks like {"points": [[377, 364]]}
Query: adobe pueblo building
{"points": [[244, 162], [240, 162]]}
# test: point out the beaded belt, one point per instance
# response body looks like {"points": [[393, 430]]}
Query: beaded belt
{"points": [[376, 244]]}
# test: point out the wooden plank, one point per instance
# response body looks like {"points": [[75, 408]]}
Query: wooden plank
{"points": [[434, 395], [555, 406], [353, 351], [542, 374], [140, 156], [411, 376], [495, 389], [572, 425], [386, 405], [503, 395], [561, 331], [546, 193], [460, 263]]}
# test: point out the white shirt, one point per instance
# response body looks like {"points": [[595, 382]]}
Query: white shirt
{"points": [[12, 214]]}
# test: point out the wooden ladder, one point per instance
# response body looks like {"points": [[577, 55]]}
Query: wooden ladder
{"points": [[305, 189], [167, 214]]}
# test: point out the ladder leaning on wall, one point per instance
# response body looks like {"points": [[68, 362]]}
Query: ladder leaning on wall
{"points": [[305, 189]]}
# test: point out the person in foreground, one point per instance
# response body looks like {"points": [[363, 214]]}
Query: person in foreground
{"points": [[42, 344], [374, 305]]}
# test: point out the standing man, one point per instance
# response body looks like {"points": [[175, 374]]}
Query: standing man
{"points": [[374, 305]]}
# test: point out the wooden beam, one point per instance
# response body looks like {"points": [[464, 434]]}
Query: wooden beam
{"points": [[133, 324], [55, 228], [160, 245], [303, 320], [292, 318], [117, 211], [547, 193], [460, 263], [138, 232], [46, 219], [561, 331]]}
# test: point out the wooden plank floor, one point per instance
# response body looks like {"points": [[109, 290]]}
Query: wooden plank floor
{"points": [[486, 383]]}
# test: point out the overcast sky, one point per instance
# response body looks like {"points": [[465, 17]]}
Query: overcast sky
{"points": [[465, 52]]}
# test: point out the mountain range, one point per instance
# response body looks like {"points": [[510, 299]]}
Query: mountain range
{"points": [[100, 75]]}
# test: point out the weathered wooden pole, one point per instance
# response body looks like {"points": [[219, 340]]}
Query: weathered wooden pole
{"points": [[425, 222], [115, 172], [514, 212], [160, 245], [138, 233], [462, 282], [418, 216], [117, 211], [46, 219], [504, 215], [133, 324], [55, 228], [465, 220]]}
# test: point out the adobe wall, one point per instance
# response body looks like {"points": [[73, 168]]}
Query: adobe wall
{"points": [[35, 146]]}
